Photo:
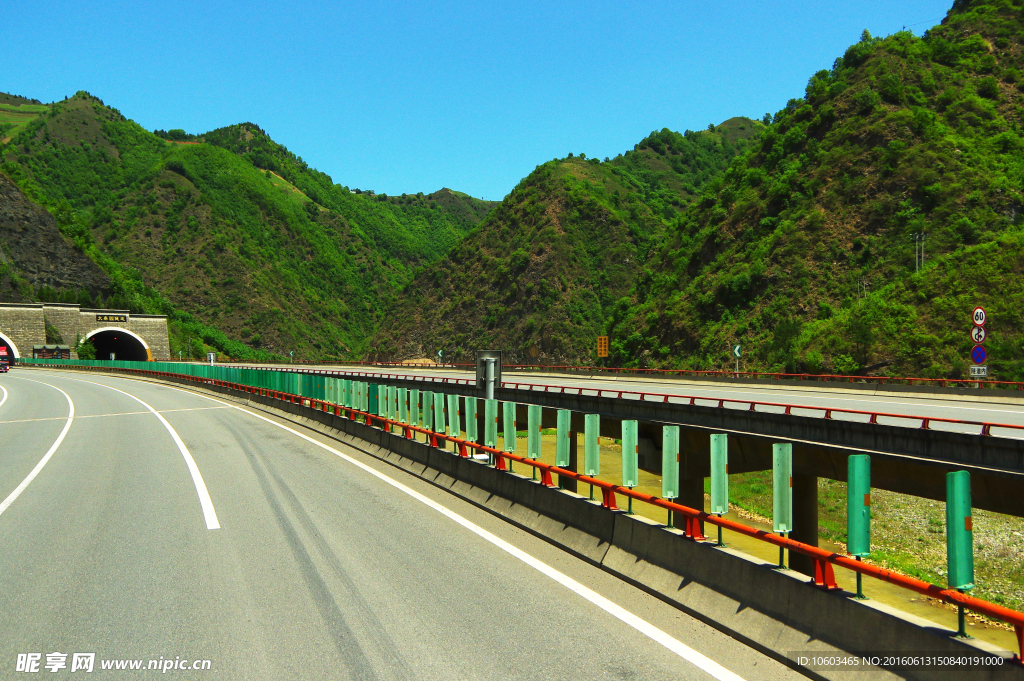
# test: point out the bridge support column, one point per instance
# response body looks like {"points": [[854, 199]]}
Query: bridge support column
{"points": [[805, 519], [571, 484], [691, 487]]}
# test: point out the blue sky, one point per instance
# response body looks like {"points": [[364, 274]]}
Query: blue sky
{"points": [[407, 97]]}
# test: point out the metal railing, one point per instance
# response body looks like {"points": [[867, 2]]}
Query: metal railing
{"points": [[922, 422], [696, 373]]}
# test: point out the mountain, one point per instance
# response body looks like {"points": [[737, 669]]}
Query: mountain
{"points": [[35, 258], [541, 273], [803, 251], [229, 233]]}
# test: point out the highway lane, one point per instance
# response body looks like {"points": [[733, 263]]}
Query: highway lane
{"points": [[326, 564], [967, 407]]}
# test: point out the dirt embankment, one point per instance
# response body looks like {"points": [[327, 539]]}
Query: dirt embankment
{"points": [[32, 246]]}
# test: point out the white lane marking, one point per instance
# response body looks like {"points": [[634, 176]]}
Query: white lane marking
{"points": [[657, 635], [103, 416], [46, 457], [205, 501], [5, 395]]}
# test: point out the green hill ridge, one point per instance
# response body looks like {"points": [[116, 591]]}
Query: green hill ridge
{"points": [[795, 236], [258, 252], [803, 251], [538, 277]]}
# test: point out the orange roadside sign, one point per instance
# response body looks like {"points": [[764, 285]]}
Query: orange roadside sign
{"points": [[602, 346]]}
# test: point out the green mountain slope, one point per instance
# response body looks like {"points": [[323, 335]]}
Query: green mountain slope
{"points": [[543, 271], [241, 238], [804, 249]]}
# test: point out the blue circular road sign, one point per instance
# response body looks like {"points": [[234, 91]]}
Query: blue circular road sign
{"points": [[978, 354]]}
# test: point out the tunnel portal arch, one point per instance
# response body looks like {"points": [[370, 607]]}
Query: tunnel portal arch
{"points": [[123, 343], [12, 349]]}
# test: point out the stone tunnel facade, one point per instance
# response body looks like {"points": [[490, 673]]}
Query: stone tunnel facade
{"points": [[23, 325]]}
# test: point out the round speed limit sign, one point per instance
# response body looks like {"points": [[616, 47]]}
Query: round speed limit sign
{"points": [[978, 335], [979, 316]]}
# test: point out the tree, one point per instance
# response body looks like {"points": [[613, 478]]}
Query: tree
{"points": [[85, 348]]}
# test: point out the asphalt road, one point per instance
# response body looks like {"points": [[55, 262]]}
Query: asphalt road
{"points": [[965, 407], [276, 553]]}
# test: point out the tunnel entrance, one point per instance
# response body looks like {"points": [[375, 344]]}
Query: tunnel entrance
{"points": [[124, 346], [7, 353]]}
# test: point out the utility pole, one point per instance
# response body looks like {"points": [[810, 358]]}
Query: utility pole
{"points": [[190, 348]]}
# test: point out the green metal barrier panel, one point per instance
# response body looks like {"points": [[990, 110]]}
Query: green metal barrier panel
{"points": [[719, 473], [491, 423], [471, 420], [591, 447], [428, 410], [959, 530], [858, 505], [533, 423], [670, 462], [439, 420], [508, 422], [371, 398], [782, 488], [454, 417], [403, 405], [562, 438], [630, 454], [415, 416]]}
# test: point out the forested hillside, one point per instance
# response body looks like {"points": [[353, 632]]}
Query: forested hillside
{"points": [[804, 249], [236, 238], [541, 274]]}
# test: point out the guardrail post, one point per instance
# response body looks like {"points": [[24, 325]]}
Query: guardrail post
{"points": [[472, 419], [959, 538], [670, 466], [630, 456], [534, 418], [720, 477], [491, 423], [782, 493], [858, 510], [508, 424], [439, 420], [591, 447], [565, 449]]}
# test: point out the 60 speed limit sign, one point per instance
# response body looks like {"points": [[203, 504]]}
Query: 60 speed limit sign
{"points": [[979, 316], [978, 335]]}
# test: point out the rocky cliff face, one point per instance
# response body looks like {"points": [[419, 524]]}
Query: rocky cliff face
{"points": [[33, 252]]}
